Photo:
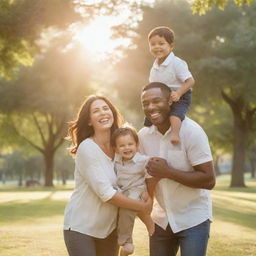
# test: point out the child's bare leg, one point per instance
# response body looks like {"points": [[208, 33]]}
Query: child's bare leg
{"points": [[175, 129], [126, 249], [147, 220]]}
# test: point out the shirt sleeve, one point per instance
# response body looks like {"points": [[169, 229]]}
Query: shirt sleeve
{"points": [[198, 148], [93, 171], [182, 71]]}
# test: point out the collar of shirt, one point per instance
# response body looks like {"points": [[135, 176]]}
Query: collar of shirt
{"points": [[153, 129], [166, 62], [135, 159]]}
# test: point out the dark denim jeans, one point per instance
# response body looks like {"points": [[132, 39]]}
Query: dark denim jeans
{"points": [[79, 244], [192, 241]]}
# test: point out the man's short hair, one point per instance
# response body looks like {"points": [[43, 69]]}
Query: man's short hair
{"points": [[164, 88]]}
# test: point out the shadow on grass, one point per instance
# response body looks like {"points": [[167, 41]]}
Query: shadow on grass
{"points": [[32, 189], [229, 189], [15, 211], [227, 215]]}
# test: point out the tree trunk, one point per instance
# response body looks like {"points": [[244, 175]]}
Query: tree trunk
{"points": [[49, 163], [253, 168], [239, 145], [20, 179]]}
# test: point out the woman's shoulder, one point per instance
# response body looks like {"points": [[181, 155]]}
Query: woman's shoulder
{"points": [[88, 146]]}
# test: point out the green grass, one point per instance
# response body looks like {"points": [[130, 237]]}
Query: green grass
{"points": [[31, 221]]}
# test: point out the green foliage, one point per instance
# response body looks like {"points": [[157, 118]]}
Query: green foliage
{"points": [[202, 6], [21, 25], [23, 22]]}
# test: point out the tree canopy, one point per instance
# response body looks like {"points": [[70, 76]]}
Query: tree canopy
{"points": [[202, 6]]}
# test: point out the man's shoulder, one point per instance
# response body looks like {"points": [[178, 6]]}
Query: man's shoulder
{"points": [[143, 131], [188, 122], [191, 127]]}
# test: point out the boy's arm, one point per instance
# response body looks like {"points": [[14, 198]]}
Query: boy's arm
{"points": [[175, 95], [186, 85]]}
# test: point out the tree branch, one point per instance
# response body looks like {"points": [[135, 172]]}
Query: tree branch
{"points": [[49, 121], [39, 129], [27, 140]]}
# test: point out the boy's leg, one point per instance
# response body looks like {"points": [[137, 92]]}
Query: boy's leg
{"points": [[177, 115], [193, 241], [175, 129], [127, 249], [125, 225], [147, 220], [163, 242]]}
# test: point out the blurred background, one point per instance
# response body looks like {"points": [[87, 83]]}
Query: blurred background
{"points": [[55, 53]]}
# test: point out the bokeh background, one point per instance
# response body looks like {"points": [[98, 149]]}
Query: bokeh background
{"points": [[54, 53]]}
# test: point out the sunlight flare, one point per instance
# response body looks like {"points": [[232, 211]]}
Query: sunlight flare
{"points": [[96, 38]]}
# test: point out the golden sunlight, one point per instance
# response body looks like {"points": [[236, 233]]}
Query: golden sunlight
{"points": [[96, 38]]}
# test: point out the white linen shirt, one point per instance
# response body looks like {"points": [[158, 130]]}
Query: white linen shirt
{"points": [[87, 211], [172, 72], [181, 206]]}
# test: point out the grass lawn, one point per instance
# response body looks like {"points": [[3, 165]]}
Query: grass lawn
{"points": [[31, 221]]}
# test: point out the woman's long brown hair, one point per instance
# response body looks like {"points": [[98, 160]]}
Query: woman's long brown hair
{"points": [[80, 129]]}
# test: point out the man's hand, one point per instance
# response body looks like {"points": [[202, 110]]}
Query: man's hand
{"points": [[158, 167]]}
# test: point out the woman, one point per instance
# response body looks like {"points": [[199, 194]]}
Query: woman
{"points": [[91, 214]]}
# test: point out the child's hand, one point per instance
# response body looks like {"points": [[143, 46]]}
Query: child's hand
{"points": [[175, 96]]}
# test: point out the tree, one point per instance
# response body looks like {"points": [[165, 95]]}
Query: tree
{"points": [[220, 49], [41, 101], [14, 164], [24, 21], [21, 24], [59, 77], [202, 6], [230, 63]]}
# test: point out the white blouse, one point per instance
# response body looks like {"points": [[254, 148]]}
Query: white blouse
{"points": [[87, 211]]}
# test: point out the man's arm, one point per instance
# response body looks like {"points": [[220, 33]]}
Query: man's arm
{"points": [[202, 177]]}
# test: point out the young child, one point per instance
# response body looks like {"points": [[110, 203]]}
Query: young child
{"points": [[173, 72], [131, 175]]}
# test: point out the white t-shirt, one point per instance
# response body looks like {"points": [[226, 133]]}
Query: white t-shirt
{"points": [[87, 211], [180, 206], [172, 72]]}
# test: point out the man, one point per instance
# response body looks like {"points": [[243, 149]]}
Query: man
{"points": [[184, 210]]}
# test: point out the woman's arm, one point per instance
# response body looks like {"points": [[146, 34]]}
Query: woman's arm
{"points": [[125, 202]]}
